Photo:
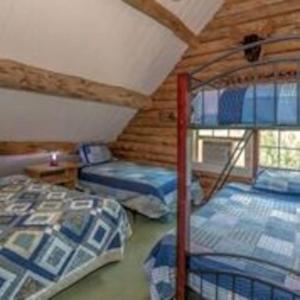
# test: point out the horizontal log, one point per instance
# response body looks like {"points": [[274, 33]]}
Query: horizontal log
{"points": [[29, 147], [166, 104], [236, 6], [282, 26], [145, 147], [15, 75], [163, 123], [155, 140], [151, 131], [209, 47], [264, 11], [167, 159], [155, 163], [165, 97]]}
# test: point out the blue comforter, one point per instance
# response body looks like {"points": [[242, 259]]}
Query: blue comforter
{"points": [[238, 220], [149, 190], [51, 237], [274, 105]]}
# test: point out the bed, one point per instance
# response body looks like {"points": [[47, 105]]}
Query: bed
{"points": [[250, 232], [51, 237], [151, 191]]}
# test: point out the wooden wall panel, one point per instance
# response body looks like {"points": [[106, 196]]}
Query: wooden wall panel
{"points": [[151, 135]]}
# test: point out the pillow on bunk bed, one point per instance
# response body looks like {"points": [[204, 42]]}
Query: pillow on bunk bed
{"points": [[94, 153], [280, 181], [231, 106]]}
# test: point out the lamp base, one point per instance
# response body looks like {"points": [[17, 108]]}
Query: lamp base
{"points": [[53, 163]]}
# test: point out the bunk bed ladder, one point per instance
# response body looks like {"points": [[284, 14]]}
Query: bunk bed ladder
{"points": [[234, 156]]}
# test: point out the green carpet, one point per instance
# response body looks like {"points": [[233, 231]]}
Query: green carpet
{"points": [[124, 280]]}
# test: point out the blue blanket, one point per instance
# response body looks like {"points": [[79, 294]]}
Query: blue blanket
{"points": [[51, 237], [266, 104], [231, 106], [149, 190], [238, 220]]}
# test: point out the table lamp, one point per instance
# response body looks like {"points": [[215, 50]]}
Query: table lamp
{"points": [[54, 159]]}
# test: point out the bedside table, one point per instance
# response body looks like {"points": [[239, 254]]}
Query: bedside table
{"points": [[64, 174]]}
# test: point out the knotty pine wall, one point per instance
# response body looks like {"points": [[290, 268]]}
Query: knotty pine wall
{"points": [[150, 137]]}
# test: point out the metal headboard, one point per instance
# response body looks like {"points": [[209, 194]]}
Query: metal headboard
{"points": [[190, 83]]}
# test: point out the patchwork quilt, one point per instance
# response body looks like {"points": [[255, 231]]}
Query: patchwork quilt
{"points": [[265, 104], [50, 237], [239, 220], [151, 191]]}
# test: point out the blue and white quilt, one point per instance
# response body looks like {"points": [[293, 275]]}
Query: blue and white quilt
{"points": [[264, 105], [151, 191], [276, 180], [242, 221], [51, 237]]}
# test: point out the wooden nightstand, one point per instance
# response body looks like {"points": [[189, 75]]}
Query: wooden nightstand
{"points": [[64, 174]]}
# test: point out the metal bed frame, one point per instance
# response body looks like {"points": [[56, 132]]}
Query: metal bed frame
{"points": [[188, 85]]}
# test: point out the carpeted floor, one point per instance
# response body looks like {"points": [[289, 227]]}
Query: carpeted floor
{"points": [[124, 280]]}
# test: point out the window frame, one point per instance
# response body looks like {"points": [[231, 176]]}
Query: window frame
{"points": [[243, 171], [278, 147]]}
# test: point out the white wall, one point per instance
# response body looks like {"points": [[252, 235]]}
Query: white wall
{"points": [[26, 116], [16, 164]]}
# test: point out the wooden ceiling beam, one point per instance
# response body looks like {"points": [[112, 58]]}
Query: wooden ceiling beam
{"points": [[166, 18], [16, 75]]}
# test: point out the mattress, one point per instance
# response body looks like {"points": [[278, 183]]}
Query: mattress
{"points": [[239, 220], [51, 237], [151, 191], [263, 105]]}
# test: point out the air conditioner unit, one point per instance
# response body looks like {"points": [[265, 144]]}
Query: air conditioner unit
{"points": [[216, 152]]}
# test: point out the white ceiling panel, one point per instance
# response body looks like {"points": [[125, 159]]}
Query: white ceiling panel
{"points": [[26, 116], [103, 40], [194, 13]]}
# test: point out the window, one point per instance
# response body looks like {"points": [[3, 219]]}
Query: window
{"points": [[280, 149], [219, 135]]}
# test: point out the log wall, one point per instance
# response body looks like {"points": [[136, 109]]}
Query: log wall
{"points": [[29, 147], [151, 136]]}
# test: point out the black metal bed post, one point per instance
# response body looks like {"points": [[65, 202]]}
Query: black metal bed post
{"points": [[255, 153]]}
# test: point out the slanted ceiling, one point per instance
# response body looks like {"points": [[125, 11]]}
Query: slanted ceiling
{"points": [[104, 41], [151, 135], [32, 117]]}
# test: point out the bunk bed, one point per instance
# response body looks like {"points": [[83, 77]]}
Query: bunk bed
{"points": [[243, 244]]}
